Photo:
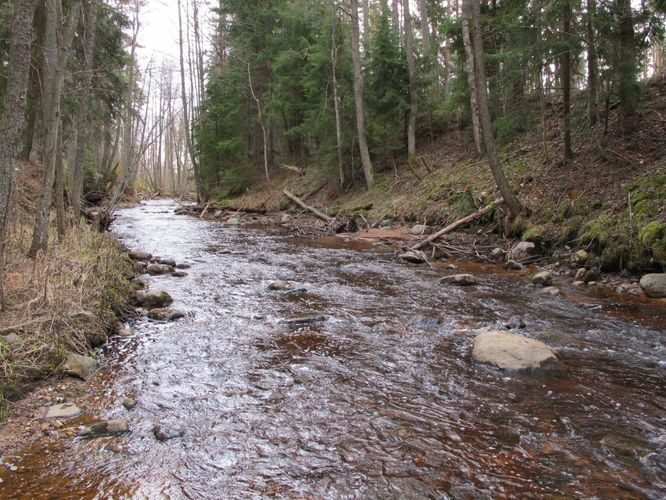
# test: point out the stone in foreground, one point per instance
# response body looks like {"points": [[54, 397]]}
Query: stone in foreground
{"points": [[159, 269], [63, 410], [654, 285], [80, 366], [153, 299], [105, 428], [512, 352], [140, 256], [280, 285], [459, 280]]}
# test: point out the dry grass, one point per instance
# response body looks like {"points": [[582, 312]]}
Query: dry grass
{"points": [[63, 301]]}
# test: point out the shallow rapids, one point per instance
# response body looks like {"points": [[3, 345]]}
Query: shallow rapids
{"points": [[378, 400]]}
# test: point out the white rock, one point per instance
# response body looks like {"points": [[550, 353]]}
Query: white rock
{"points": [[512, 352]]}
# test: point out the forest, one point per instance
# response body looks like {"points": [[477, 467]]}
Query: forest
{"points": [[334, 248]]}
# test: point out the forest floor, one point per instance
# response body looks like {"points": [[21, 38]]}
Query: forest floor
{"points": [[609, 199], [67, 300]]}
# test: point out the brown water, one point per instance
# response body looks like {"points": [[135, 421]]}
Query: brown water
{"points": [[380, 400]]}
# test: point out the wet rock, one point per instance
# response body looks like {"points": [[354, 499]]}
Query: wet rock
{"points": [[626, 446], [578, 283], [153, 299], [522, 251], [580, 257], [63, 410], [165, 434], [552, 290], [140, 267], [285, 219], [129, 403], [80, 366], [139, 256], [280, 285], [418, 229], [497, 254], [294, 292], [158, 269], [183, 265], [165, 314], [166, 261], [304, 320], [543, 278], [413, 257], [654, 285], [138, 284], [513, 265], [514, 323], [218, 213], [233, 221], [451, 267], [629, 289], [579, 274], [179, 274], [181, 210], [121, 329], [512, 352], [459, 280], [105, 428]]}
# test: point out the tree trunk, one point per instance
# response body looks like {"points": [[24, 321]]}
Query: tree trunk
{"points": [[395, 18], [60, 190], [592, 66], [627, 68], [13, 111], [565, 72], [83, 104], [183, 91], [34, 82], [425, 28], [55, 60], [471, 16], [264, 132], [471, 82], [358, 99], [366, 22], [336, 99], [411, 65]]}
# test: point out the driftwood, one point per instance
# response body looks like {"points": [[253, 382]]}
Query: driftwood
{"points": [[298, 170], [458, 223], [316, 190], [302, 204]]}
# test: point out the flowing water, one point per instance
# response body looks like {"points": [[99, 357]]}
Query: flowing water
{"points": [[379, 399]]}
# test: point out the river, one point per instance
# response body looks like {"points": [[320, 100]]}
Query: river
{"points": [[380, 399]]}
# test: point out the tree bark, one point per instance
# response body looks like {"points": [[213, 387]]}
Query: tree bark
{"points": [[413, 96], [34, 81], [358, 99], [565, 72], [626, 67], [60, 190], [13, 111], [336, 99], [56, 51], [592, 66], [471, 16], [425, 28], [84, 100], [395, 19], [471, 82]]}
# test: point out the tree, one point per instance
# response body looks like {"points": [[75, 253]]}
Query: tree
{"points": [[411, 65], [83, 128], [358, 99], [471, 16], [56, 52], [565, 79], [13, 110]]}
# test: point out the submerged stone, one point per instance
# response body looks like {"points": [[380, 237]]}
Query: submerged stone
{"points": [[512, 352]]}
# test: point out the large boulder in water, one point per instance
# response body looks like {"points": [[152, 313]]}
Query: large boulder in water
{"points": [[654, 285], [512, 352]]}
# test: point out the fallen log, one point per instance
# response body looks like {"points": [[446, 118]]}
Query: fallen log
{"points": [[458, 223], [298, 170], [302, 204]]}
